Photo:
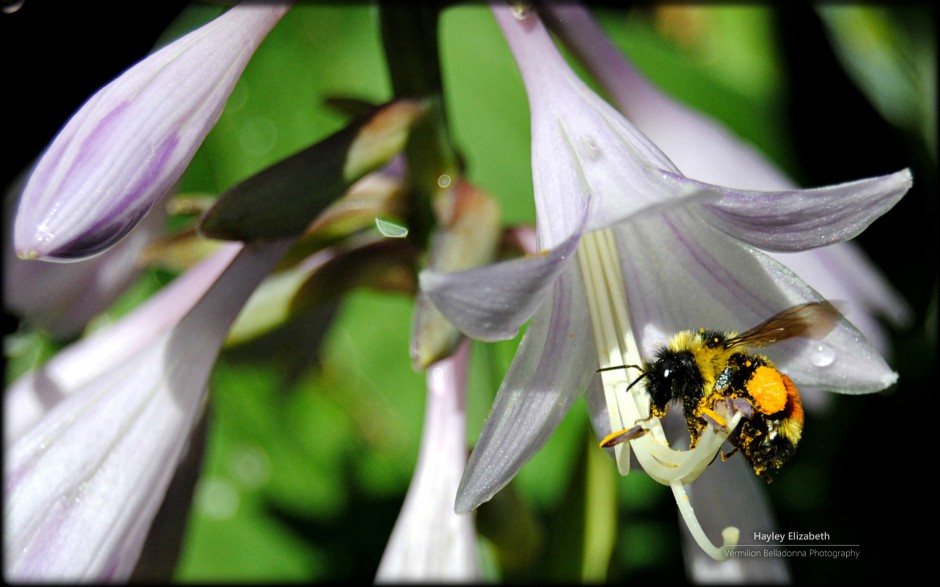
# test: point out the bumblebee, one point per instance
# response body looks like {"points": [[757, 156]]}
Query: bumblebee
{"points": [[701, 369]]}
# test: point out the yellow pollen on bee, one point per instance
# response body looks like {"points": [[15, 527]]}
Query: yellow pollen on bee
{"points": [[768, 390], [714, 415]]}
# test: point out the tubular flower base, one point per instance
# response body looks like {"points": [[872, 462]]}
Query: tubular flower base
{"points": [[430, 542]]}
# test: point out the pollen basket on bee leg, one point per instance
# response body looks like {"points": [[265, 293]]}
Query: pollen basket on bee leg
{"points": [[768, 390]]}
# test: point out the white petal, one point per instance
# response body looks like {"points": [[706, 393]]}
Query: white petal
{"points": [[430, 542], [131, 141], [684, 274], [493, 302], [553, 364], [83, 484]]}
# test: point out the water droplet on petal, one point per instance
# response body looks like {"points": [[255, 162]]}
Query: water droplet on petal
{"points": [[390, 229], [591, 150], [823, 355], [520, 10]]}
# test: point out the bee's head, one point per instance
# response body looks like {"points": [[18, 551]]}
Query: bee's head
{"points": [[671, 376]]}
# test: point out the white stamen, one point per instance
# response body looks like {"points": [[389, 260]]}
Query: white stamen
{"points": [[616, 346]]}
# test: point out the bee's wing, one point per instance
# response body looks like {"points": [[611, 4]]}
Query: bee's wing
{"points": [[811, 320]]}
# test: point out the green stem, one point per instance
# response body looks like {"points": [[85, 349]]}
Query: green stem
{"points": [[409, 35]]}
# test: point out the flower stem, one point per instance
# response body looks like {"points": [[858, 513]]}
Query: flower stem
{"points": [[409, 35]]}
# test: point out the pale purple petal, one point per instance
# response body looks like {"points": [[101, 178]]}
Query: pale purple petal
{"points": [[805, 219], [493, 302], [84, 483], [549, 371], [581, 146], [841, 272], [130, 142], [704, 149], [430, 542], [727, 285], [35, 393], [62, 297]]}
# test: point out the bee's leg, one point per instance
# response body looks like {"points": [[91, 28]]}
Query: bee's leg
{"points": [[621, 436], [745, 407], [715, 420], [725, 456]]}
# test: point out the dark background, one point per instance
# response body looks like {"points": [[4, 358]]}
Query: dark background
{"points": [[877, 495]]}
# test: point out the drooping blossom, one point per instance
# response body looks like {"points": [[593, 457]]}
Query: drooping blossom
{"points": [[636, 251], [430, 542], [33, 394], [61, 298], [97, 433], [130, 142]]}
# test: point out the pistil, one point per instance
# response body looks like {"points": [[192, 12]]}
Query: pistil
{"points": [[627, 406]]}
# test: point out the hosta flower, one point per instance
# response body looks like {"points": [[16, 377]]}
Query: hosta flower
{"points": [[98, 432], [705, 150], [28, 398], [636, 251], [430, 541], [62, 298], [131, 141]]}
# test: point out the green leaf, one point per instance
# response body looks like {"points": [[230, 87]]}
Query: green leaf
{"points": [[282, 200], [380, 263]]}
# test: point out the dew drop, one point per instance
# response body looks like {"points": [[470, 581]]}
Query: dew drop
{"points": [[391, 229], [520, 10], [591, 150], [823, 356]]}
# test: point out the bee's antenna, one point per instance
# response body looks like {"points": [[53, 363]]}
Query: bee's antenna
{"points": [[615, 367], [635, 381]]}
